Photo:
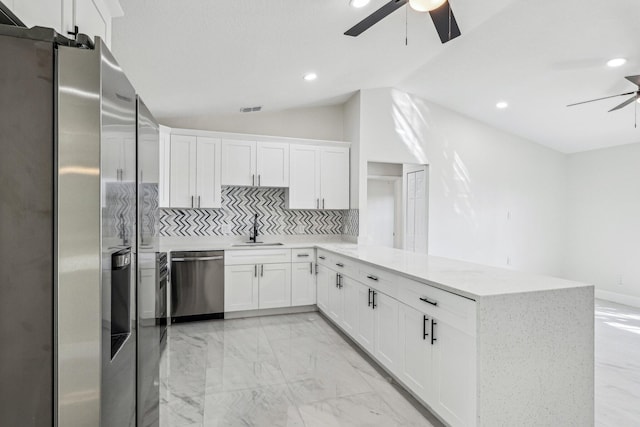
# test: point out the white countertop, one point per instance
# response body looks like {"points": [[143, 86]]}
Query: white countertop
{"points": [[172, 244], [463, 278]]}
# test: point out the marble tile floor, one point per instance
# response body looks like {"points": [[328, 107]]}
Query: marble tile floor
{"points": [[296, 370], [276, 371], [617, 360]]}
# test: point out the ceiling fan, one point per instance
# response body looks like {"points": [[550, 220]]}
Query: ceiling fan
{"points": [[636, 95], [440, 11]]}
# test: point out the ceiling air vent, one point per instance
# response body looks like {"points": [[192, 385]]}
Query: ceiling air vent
{"points": [[250, 109]]}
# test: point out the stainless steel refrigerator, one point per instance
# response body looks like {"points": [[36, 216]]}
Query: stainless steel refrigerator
{"points": [[67, 233]]}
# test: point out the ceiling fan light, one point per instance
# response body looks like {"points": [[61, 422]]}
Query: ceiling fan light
{"points": [[358, 3], [425, 5]]}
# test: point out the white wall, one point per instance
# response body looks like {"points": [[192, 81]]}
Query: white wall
{"points": [[604, 232], [492, 197], [314, 122]]}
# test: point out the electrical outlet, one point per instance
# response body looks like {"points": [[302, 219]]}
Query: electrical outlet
{"points": [[226, 229], [299, 229]]}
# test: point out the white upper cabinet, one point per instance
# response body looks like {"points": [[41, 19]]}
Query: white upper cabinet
{"points": [[194, 172], [319, 177], [208, 186], [93, 18], [165, 167], [334, 178], [238, 162], [272, 164], [250, 163], [304, 182]]}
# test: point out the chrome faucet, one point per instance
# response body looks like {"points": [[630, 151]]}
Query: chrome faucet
{"points": [[253, 234]]}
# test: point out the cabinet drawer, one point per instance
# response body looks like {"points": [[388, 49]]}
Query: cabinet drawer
{"points": [[324, 258], [345, 266], [257, 256], [458, 311], [303, 255], [379, 279]]}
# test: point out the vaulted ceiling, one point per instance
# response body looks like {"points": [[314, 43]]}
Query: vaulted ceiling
{"points": [[207, 57]]}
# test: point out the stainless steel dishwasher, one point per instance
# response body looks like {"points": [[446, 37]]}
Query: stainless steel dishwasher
{"points": [[197, 285]]}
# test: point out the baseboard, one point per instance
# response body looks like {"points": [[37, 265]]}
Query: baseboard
{"points": [[270, 311], [618, 298]]}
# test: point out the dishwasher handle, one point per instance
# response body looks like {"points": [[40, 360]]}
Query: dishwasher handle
{"points": [[204, 258]]}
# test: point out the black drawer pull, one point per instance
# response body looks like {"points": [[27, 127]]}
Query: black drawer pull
{"points": [[321, 257], [302, 255], [339, 264], [370, 291], [424, 327], [374, 278], [374, 299], [428, 301]]}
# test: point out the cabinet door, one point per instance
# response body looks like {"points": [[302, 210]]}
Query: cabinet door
{"points": [[275, 285], [238, 163], [240, 287], [349, 319], [208, 187], [453, 367], [334, 182], [335, 298], [272, 164], [322, 287], [303, 284], [386, 331], [365, 313], [304, 180], [415, 350], [183, 172], [165, 167]]}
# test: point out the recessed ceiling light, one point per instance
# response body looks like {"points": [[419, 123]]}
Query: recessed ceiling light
{"points": [[358, 3], [310, 77], [502, 105], [616, 62]]}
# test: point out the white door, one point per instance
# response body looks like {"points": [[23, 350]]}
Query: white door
{"points": [[165, 167], [454, 373], [238, 163], [349, 319], [182, 188], [365, 318], [275, 285], [240, 287], [208, 187], [334, 181], [273, 164], [416, 212], [381, 201], [415, 350], [335, 297], [304, 179], [386, 331], [322, 287], [303, 284]]}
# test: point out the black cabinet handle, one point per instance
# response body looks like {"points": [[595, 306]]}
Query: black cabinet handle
{"points": [[339, 264], [340, 281], [261, 270], [316, 269], [374, 278], [321, 257], [302, 255], [369, 302], [255, 270], [433, 337], [374, 300], [424, 327], [428, 301], [310, 268], [337, 279]]}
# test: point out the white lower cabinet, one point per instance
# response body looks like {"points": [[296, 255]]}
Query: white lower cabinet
{"points": [[453, 375], [415, 351], [322, 287], [303, 284], [275, 285], [335, 297], [349, 319], [240, 287], [386, 340]]}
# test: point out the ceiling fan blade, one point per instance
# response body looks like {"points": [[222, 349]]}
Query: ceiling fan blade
{"points": [[375, 17], [634, 79], [625, 103], [600, 99], [445, 23]]}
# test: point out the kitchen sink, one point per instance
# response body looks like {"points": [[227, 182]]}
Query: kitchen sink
{"points": [[257, 244]]}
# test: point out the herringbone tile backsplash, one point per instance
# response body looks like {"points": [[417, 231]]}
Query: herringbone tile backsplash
{"points": [[240, 204]]}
